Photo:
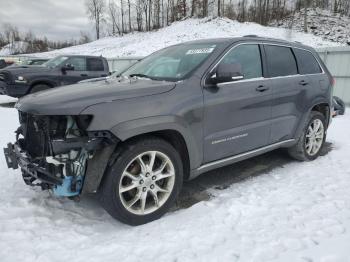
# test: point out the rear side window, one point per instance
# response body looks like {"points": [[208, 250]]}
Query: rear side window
{"points": [[248, 57], [307, 63], [280, 61], [95, 64]]}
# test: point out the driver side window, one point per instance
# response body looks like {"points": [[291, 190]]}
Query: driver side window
{"points": [[249, 59], [79, 63]]}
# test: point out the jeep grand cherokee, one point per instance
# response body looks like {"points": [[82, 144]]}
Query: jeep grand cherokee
{"points": [[178, 113]]}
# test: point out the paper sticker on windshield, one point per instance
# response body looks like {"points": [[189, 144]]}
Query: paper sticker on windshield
{"points": [[200, 51]]}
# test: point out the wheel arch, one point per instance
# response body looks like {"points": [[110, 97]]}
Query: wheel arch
{"points": [[169, 128], [323, 108], [320, 105], [41, 82]]}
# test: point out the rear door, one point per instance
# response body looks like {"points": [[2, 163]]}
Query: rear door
{"points": [[237, 114], [95, 67], [287, 86], [310, 67]]}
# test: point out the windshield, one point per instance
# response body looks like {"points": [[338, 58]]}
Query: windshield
{"points": [[172, 63], [54, 62], [27, 62], [32, 62]]}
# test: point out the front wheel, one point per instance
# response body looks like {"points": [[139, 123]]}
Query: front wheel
{"points": [[144, 181], [38, 88], [311, 140]]}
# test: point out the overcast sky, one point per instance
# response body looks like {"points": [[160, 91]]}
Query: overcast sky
{"points": [[56, 19]]}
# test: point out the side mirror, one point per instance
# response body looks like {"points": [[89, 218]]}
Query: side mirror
{"points": [[67, 67], [227, 73]]}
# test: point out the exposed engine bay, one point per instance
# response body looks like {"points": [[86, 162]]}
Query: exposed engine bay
{"points": [[53, 151]]}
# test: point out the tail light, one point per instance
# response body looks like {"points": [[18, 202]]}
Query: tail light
{"points": [[333, 81]]}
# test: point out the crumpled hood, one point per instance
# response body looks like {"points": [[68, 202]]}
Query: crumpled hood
{"points": [[25, 69], [72, 99]]}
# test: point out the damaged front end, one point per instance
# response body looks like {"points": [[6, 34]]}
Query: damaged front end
{"points": [[56, 152]]}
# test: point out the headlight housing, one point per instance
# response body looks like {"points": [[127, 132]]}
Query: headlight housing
{"points": [[20, 79]]}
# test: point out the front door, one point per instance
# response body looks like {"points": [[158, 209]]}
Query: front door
{"points": [[237, 114], [79, 73]]}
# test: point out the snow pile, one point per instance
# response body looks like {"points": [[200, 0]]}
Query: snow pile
{"points": [[297, 212], [18, 47], [144, 43], [322, 23]]}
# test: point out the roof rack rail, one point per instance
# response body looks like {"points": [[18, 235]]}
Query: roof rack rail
{"points": [[298, 42], [250, 36]]}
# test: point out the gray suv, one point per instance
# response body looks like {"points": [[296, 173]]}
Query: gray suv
{"points": [[178, 113]]}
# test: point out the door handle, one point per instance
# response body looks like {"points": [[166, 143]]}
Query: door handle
{"points": [[262, 88], [303, 83], [83, 75]]}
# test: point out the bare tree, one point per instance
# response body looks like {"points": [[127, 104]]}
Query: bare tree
{"points": [[149, 14], [122, 15], [205, 8], [84, 38], [113, 16], [139, 20], [95, 10], [129, 13], [306, 5]]}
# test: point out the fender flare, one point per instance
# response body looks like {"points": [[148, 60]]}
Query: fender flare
{"points": [[132, 128], [42, 81], [302, 123]]}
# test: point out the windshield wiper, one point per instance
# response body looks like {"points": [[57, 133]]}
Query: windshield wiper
{"points": [[141, 75]]}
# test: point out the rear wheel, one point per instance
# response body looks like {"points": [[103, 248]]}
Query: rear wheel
{"points": [[143, 183], [311, 140], [38, 88]]}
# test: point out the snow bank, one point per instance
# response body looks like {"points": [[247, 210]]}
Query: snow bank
{"points": [[298, 212], [322, 23], [17, 47], [142, 44]]}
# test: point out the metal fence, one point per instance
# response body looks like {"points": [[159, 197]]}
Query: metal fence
{"points": [[337, 60]]}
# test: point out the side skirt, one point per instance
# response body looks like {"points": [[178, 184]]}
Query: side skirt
{"points": [[233, 159]]}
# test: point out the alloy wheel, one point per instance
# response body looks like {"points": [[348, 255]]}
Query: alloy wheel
{"points": [[314, 137], [147, 182]]}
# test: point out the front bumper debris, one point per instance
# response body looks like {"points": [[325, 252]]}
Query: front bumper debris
{"points": [[58, 153], [32, 170]]}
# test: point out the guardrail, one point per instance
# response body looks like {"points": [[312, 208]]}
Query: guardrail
{"points": [[337, 60]]}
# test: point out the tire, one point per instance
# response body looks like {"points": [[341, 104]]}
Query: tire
{"points": [[38, 88], [121, 205], [301, 150]]}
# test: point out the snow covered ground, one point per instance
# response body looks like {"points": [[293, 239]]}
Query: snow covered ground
{"points": [[142, 44], [289, 212]]}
